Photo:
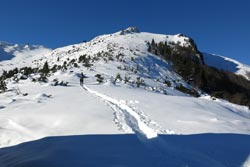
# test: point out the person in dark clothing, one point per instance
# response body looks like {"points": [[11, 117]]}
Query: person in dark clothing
{"points": [[81, 79]]}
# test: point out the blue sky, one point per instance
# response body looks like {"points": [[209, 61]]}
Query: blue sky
{"points": [[217, 26]]}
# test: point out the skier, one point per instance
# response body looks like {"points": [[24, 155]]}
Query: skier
{"points": [[81, 79]]}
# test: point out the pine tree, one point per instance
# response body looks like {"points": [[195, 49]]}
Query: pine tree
{"points": [[153, 42], [64, 65], [4, 75], [45, 70], [149, 48], [3, 86], [118, 77]]}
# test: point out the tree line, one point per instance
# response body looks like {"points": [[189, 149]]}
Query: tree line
{"points": [[188, 62]]}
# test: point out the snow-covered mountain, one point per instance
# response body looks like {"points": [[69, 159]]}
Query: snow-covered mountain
{"points": [[227, 64], [130, 111], [15, 55]]}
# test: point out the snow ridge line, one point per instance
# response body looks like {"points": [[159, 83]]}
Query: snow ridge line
{"points": [[132, 118]]}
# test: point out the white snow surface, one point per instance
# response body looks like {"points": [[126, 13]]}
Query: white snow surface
{"points": [[33, 110], [227, 64], [132, 118], [14, 55]]}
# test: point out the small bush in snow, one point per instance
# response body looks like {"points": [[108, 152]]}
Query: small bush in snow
{"points": [[126, 79], [118, 78], [54, 68], [76, 65], [56, 82], [99, 78], [168, 83], [62, 83], [33, 79], [119, 67], [139, 82], [43, 78]]}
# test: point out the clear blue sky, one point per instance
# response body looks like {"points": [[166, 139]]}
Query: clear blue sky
{"points": [[217, 26]]}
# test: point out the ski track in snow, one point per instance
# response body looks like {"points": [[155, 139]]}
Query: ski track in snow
{"points": [[129, 120], [126, 118]]}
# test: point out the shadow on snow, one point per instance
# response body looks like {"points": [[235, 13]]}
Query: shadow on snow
{"points": [[126, 150]]}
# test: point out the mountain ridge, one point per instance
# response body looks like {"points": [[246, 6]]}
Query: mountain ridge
{"points": [[129, 30]]}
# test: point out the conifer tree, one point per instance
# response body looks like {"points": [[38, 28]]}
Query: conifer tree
{"points": [[149, 48], [45, 70], [153, 42], [3, 86], [118, 77]]}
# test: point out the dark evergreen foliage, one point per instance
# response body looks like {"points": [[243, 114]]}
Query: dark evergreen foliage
{"points": [[99, 78], [45, 70], [191, 92], [188, 63], [126, 79], [28, 70], [85, 60], [3, 86], [44, 73], [139, 82], [118, 77]]}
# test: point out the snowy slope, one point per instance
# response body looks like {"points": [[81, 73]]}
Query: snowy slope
{"points": [[115, 44], [183, 115], [227, 64], [115, 115], [14, 55]]}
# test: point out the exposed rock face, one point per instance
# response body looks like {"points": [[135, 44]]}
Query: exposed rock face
{"points": [[195, 49], [130, 30]]}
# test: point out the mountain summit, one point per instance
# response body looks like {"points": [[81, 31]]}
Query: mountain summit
{"points": [[130, 30]]}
